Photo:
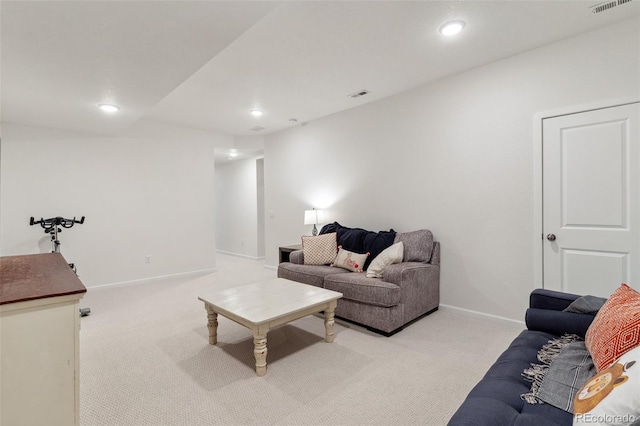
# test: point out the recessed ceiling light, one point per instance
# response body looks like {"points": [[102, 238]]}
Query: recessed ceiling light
{"points": [[452, 28], [256, 112], [233, 154], [108, 108]]}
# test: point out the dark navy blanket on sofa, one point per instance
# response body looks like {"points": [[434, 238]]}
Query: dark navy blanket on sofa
{"points": [[360, 240]]}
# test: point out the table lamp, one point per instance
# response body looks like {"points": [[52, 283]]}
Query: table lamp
{"points": [[311, 218]]}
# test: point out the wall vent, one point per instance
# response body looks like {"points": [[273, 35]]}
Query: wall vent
{"points": [[602, 7], [256, 129], [358, 94]]}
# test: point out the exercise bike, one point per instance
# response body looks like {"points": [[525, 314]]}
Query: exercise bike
{"points": [[53, 226]]}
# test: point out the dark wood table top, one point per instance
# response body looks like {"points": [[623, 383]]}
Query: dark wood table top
{"points": [[292, 247], [36, 276]]}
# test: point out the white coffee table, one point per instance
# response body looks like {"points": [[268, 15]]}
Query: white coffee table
{"points": [[268, 304]]}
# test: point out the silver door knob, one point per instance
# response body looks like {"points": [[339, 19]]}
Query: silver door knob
{"points": [[551, 237]]}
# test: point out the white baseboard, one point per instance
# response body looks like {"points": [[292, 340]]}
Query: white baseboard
{"points": [[271, 268], [483, 314], [157, 278], [240, 255]]}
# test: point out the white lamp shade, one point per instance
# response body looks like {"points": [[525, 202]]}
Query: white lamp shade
{"points": [[311, 217]]}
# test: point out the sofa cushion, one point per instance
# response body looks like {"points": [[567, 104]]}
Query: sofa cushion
{"points": [[307, 274], [377, 318], [389, 256], [418, 245], [320, 249], [349, 260], [614, 392], [616, 328], [357, 287]]}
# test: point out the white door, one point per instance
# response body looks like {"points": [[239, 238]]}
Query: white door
{"points": [[591, 200]]}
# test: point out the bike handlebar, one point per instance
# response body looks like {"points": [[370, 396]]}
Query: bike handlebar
{"points": [[48, 224]]}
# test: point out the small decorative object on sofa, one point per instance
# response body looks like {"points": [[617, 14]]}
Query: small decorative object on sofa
{"points": [[349, 260], [616, 328], [404, 283], [389, 256], [548, 374], [613, 393], [319, 250]]}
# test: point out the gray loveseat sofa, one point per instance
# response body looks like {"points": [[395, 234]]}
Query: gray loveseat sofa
{"points": [[408, 291]]}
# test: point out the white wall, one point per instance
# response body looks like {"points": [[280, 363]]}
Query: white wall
{"points": [[140, 195], [260, 213], [454, 156], [236, 211]]}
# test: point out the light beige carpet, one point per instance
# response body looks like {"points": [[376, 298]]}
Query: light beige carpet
{"points": [[145, 360]]}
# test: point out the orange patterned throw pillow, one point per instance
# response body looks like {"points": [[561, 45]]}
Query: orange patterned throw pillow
{"points": [[319, 250], [616, 328]]}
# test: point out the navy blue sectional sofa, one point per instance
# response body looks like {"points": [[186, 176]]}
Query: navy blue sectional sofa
{"points": [[495, 400]]}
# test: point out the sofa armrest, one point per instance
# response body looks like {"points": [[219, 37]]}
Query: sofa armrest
{"points": [[435, 255], [558, 322], [419, 285], [297, 257], [400, 273], [550, 299], [546, 314]]}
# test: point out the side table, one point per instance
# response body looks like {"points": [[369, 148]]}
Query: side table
{"points": [[285, 251]]}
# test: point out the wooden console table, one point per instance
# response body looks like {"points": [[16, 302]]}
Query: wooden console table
{"points": [[39, 330]]}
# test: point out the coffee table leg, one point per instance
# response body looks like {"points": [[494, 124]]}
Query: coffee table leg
{"points": [[212, 324], [329, 321], [260, 350]]}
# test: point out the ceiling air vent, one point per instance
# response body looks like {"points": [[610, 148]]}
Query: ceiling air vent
{"points": [[598, 8], [358, 94], [256, 129]]}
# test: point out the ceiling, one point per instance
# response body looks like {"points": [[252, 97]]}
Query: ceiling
{"points": [[205, 64]]}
